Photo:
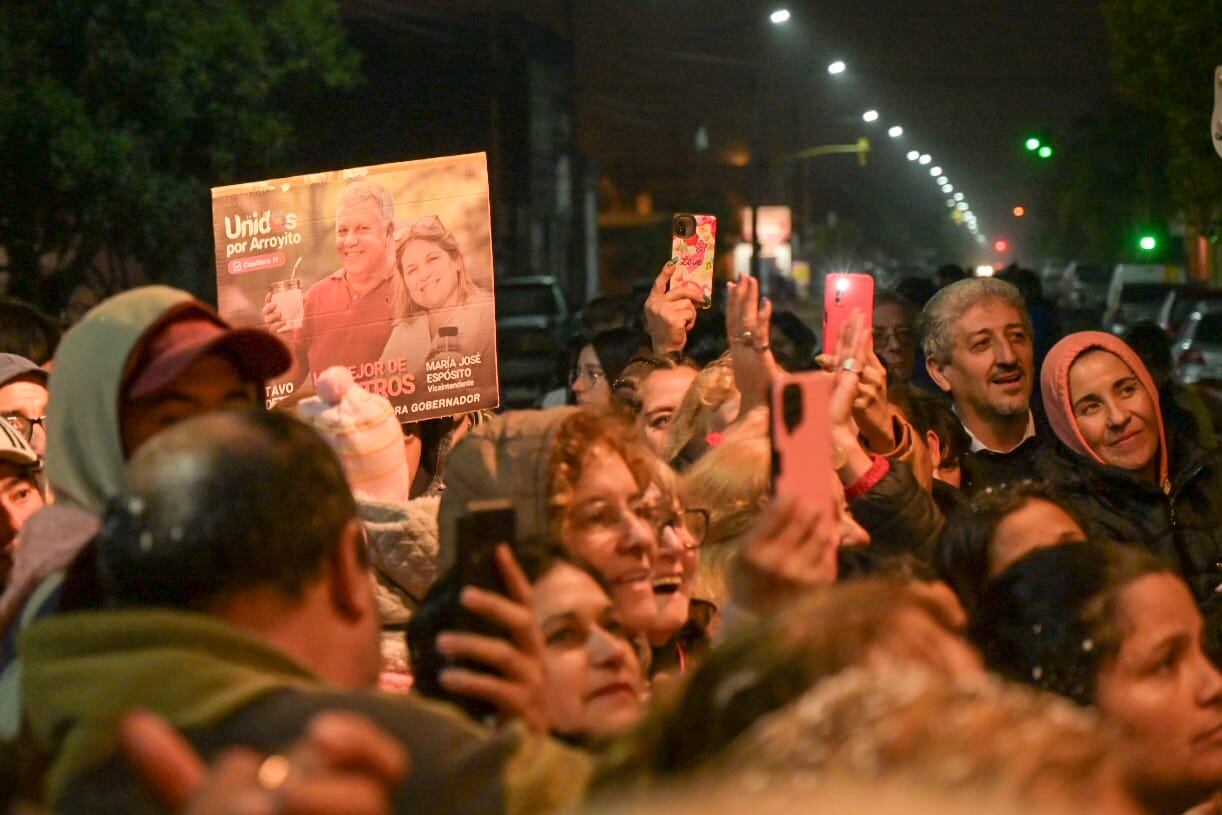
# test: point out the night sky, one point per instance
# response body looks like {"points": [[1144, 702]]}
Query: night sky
{"points": [[966, 79]]}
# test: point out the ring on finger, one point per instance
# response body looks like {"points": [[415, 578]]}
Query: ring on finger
{"points": [[746, 338], [850, 365], [273, 771]]}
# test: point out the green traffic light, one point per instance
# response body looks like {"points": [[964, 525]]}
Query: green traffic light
{"points": [[1045, 152], [1147, 243], [1033, 143]]}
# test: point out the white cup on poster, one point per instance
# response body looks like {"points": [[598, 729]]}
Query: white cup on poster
{"points": [[287, 296]]}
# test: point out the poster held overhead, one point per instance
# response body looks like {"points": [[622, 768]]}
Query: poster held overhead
{"points": [[384, 270]]}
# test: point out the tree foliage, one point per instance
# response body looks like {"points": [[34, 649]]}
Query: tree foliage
{"points": [[1164, 55], [1109, 184], [116, 116]]}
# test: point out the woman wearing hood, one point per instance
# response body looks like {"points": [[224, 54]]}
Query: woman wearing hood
{"points": [[1120, 467]]}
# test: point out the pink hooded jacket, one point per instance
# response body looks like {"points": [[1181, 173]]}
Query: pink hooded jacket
{"points": [[1054, 385]]}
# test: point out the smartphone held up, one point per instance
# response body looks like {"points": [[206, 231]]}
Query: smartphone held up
{"points": [[693, 239], [842, 293], [802, 464]]}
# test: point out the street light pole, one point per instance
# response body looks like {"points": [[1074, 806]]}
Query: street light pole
{"points": [[757, 160]]}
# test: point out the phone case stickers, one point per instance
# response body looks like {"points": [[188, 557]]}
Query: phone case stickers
{"points": [[695, 254]]}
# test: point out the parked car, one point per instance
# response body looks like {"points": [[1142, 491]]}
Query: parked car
{"points": [[1124, 274], [1084, 286], [1137, 302], [532, 329], [1181, 303], [1198, 354]]}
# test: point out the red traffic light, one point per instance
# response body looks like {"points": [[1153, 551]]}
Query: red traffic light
{"points": [[1001, 246]]}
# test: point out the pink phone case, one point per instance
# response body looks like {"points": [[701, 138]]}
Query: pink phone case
{"points": [[802, 442], [843, 292], [695, 252]]}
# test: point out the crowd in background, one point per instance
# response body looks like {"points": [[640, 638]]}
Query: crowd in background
{"points": [[1002, 593]]}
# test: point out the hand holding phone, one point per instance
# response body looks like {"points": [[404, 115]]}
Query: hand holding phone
{"points": [[670, 310]]}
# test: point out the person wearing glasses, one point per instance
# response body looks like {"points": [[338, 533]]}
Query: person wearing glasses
{"points": [[23, 399], [439, 308], [895, 335], [679, 633], [601, 361]]}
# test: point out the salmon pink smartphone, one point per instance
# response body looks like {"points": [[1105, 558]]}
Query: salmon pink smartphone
{"points": [[802, 442], [693, 238], [843, 292]]}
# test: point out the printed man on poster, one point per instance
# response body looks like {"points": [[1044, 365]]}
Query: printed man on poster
{"points": [[406, 310], [348, 313]]}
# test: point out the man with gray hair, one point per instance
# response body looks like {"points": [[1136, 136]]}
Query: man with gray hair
{"points": [[977, 339], [347, 314]]}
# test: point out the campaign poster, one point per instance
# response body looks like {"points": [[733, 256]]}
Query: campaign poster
{"points": [[385, 270]]}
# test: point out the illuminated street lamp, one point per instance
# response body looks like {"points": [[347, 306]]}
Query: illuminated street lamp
{"points": [[958, 196], [913, 155], [895, 131], [779, 16], [1020, 211], [942, 179], [837, 67], [870, 116], [948, 189], [925, 158], [935, 171]]}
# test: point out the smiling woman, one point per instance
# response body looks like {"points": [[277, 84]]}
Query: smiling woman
{"points": [[1133, 479], [439, 310]]}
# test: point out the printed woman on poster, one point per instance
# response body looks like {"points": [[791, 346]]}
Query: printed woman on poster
{"points": [[445, 327]]}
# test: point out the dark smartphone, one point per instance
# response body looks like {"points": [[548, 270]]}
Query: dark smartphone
{"points": [[486, 525]]}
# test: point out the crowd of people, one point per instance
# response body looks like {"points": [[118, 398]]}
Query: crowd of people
{"points": [[1004, 596]]}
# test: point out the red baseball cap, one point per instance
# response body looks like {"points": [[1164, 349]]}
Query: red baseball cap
{"points": [[197, 331]]}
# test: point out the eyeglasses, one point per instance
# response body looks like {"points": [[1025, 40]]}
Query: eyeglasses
{"points": [[690, 526], [25, 426], [902, 336], [590, 373]]}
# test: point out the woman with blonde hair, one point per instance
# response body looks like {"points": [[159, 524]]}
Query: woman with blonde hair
{"points": [[710, 404], [733, 484], [439, 310]]}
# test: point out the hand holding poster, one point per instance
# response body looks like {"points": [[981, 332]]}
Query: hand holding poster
{"points": [[384, 270]]}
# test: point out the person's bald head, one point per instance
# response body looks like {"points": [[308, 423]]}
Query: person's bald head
{"points": [[219, 504]]}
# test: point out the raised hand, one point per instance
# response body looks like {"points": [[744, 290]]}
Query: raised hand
{"points": [[670, 312], [789, 549], [518, 687], [748, 328], [846, 363]]}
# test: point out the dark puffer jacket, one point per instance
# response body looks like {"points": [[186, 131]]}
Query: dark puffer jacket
{"points": [[1182, 526], [900, 515]]}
